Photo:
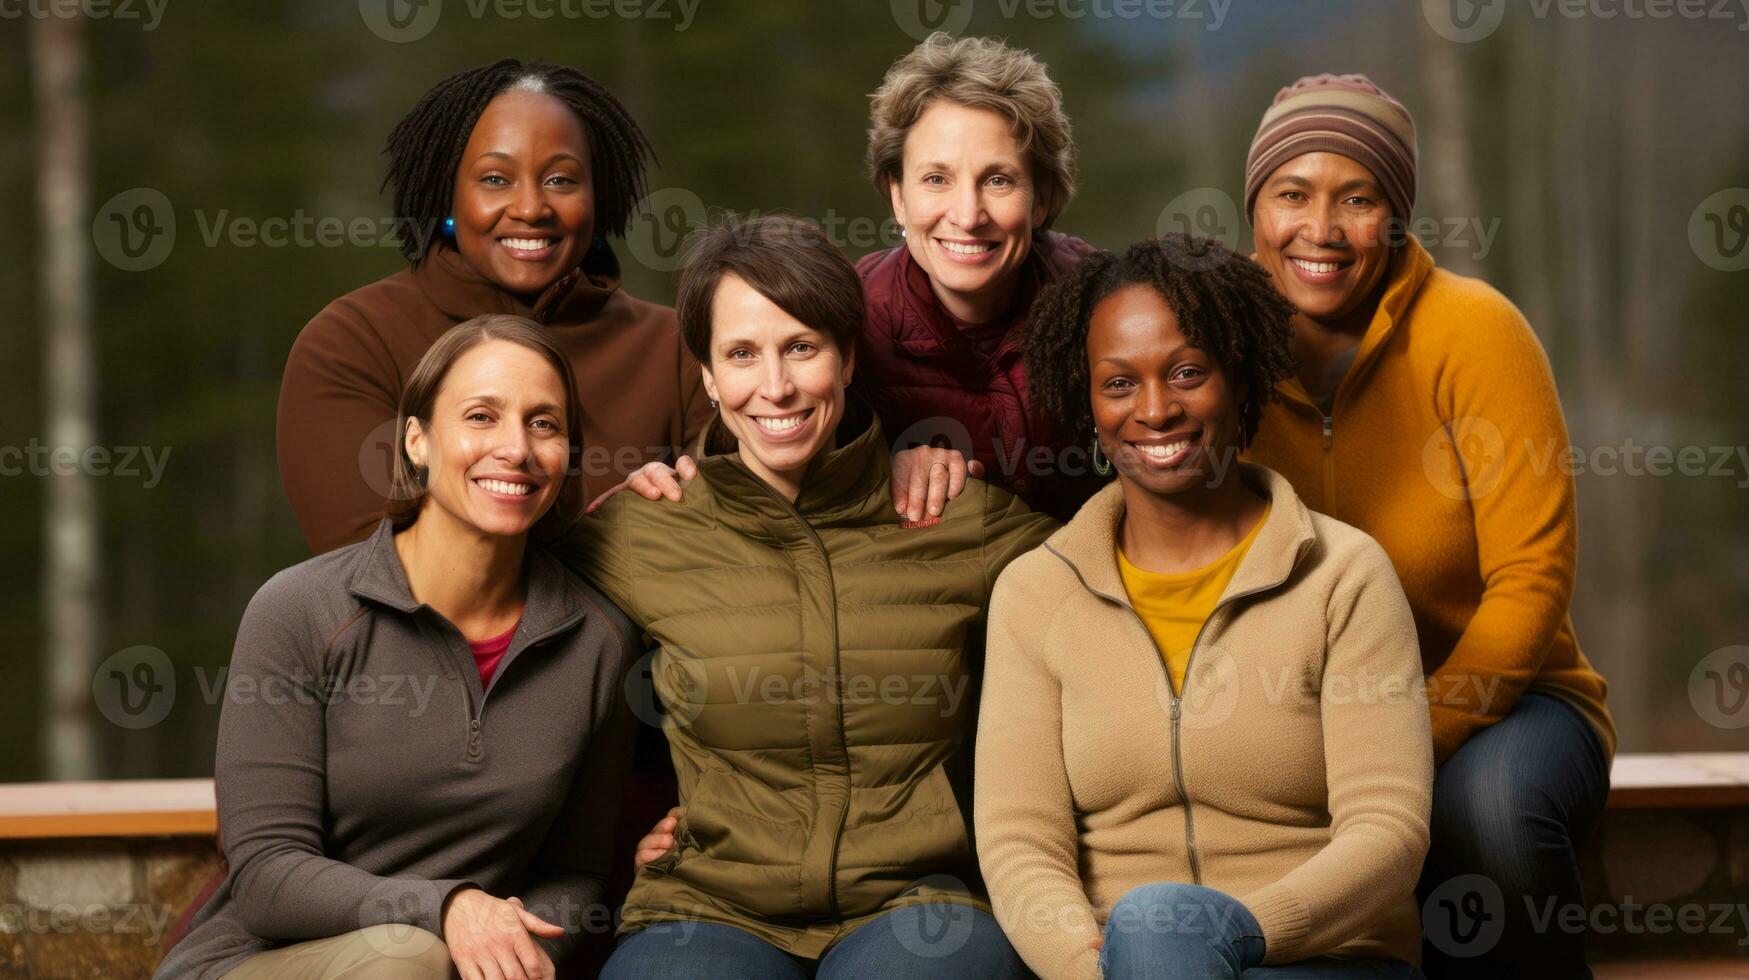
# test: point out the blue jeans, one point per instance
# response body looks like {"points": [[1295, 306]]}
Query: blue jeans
{"points": [[1510, 810], [1178, 930], [917, 941]]}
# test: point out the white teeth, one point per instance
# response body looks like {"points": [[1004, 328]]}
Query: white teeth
{"points": [[499, 486], [1165, 452], [526, 244], [978, 249], [783, 424], [1316, 268]]}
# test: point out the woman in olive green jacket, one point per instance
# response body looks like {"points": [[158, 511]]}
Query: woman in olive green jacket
{"points": [[814, 663]]}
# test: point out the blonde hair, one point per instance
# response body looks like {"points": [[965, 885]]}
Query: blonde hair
{"points": [[981, 73]]}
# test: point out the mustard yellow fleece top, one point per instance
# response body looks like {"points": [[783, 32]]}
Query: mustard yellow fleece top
{"points": [[1444, 444], [1175, 605]]}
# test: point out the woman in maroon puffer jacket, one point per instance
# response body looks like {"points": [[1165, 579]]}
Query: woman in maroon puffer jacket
{"points": [[969, 141]]}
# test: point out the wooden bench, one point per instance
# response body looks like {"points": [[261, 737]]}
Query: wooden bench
{"points": [[147, 844], [1692, 780], [124, 808]]}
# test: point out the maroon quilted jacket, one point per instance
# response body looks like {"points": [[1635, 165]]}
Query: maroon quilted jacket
{"points": [[930, 384]]}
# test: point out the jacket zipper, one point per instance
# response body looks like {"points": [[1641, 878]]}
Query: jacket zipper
{"points": [[477, 710], [837, 672], [1329, 463], [1177, 696]]}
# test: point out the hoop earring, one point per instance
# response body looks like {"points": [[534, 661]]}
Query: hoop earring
{"points": [[1101, 465]]}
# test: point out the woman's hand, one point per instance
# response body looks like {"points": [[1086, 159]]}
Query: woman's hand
{"points": [[488, 938], [659, 841], [653, 481], [926, 477]]}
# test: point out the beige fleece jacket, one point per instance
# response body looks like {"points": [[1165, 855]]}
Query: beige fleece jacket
{"points": [[1295, 774]]}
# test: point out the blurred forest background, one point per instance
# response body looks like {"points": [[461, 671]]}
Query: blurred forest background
{"points": [[1569, 160]]}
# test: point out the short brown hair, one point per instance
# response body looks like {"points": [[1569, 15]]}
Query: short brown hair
{"points": [[981, 73], [790, 262], [419, 398]]}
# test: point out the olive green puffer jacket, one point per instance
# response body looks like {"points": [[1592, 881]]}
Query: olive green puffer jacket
{"points": [[814, 671]]}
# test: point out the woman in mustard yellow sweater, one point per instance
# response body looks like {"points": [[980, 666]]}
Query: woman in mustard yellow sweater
{"points": [[1425, 414], [1203, 746]]}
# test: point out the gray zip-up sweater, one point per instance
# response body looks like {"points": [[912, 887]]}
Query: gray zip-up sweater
{"points": [[363, 774]]}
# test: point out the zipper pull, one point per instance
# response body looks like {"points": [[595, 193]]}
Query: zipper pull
{"points": [[1177, 707], [1327, 426]]}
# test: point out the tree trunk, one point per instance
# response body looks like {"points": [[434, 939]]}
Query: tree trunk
{"points": [[71, 606], [1445, 153]]}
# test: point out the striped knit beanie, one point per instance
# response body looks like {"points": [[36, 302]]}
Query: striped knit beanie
{"points": [[1345, 114]]}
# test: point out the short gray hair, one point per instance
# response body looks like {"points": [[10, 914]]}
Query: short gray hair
{"points": [[981, 73]]}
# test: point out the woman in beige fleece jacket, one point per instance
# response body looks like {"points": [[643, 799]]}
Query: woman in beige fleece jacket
{"points": [[1204, 748]]}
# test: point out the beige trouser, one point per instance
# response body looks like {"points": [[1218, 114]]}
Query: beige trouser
{"points": [[391, 952]]}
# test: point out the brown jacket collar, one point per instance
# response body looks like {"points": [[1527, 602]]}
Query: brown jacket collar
{"points": [[1088, 544], [461, 292], [554, 603]]}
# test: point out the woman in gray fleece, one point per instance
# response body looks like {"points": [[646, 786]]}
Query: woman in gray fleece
{"points": [[421, 731]]}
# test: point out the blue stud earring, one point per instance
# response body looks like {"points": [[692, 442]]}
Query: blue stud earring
{"points": [[449, 227]]}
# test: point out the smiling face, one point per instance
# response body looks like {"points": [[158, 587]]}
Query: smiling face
{"points": [[967, 202], [778, 383], [524, 203], [496, 448], [1165, 411], [1322, 230]]}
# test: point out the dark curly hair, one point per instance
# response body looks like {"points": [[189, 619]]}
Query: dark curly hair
{"points": [[1226, 305], [425, 147]]}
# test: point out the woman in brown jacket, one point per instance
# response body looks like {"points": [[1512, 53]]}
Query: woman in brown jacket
{"points": [[506, 179], [1203, 748]]}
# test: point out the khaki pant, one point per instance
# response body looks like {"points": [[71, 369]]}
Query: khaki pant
{"points": [[391, 952]]}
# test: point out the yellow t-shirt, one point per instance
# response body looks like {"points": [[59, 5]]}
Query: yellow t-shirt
{"points": [[1174, 606]]}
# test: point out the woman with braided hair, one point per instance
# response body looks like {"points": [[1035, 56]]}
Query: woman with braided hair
{"points": [[507, 180], [1203, 748]]}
